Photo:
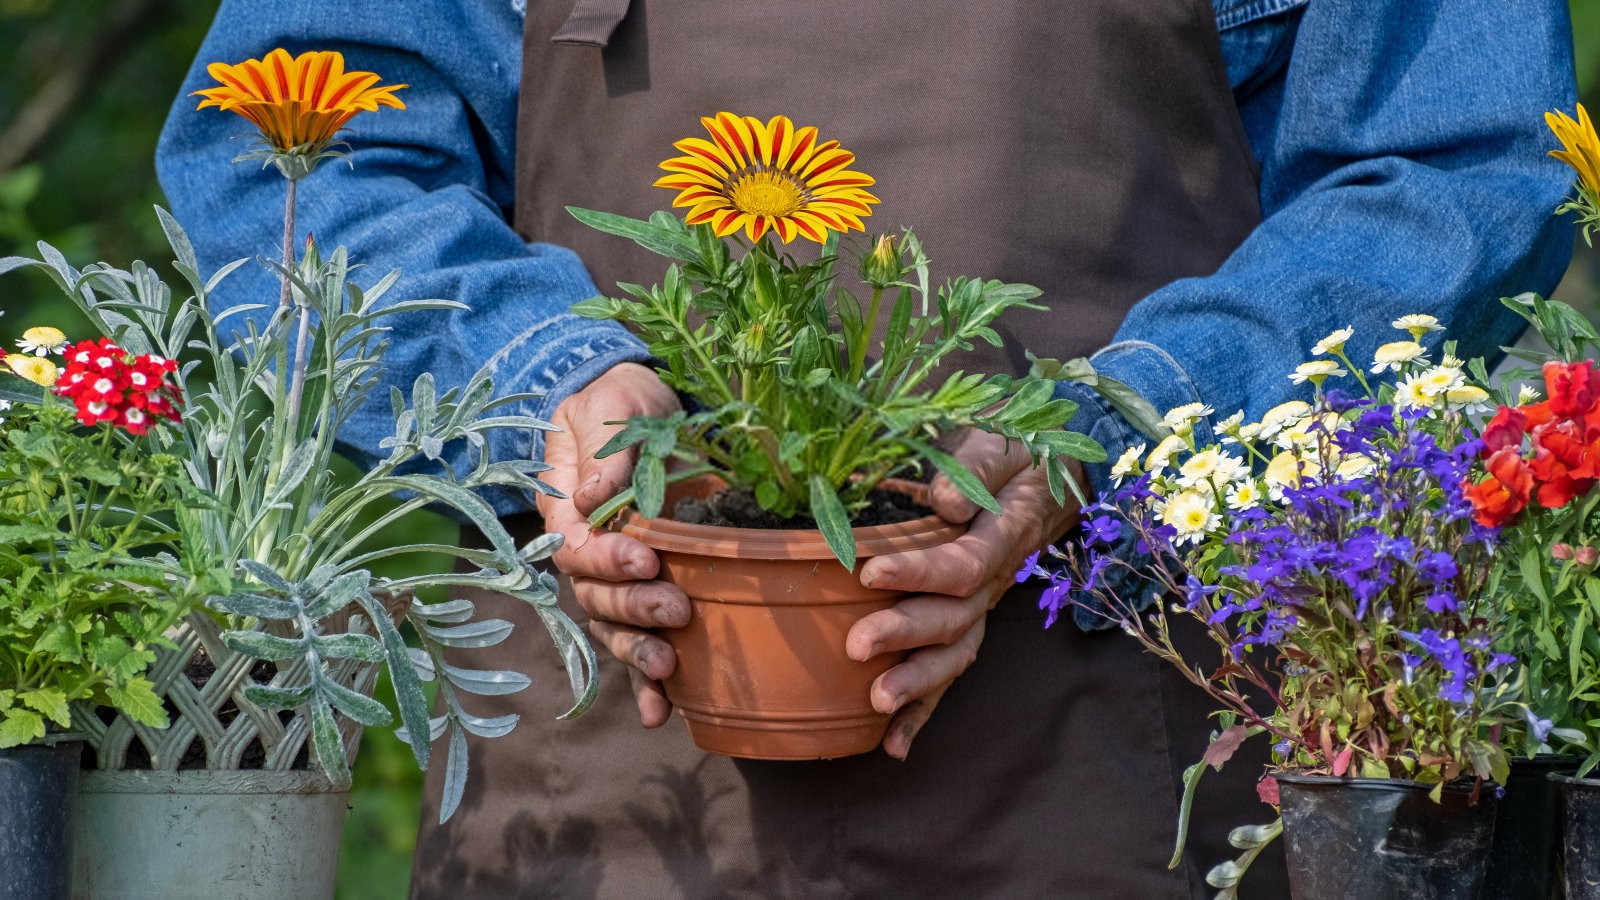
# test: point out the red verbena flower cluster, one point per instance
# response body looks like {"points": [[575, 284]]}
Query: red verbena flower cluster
{"points": [[1563, 434], [108, 384]]}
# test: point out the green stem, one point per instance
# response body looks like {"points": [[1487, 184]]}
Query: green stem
{"points": [[288, 241], [858, 353]]}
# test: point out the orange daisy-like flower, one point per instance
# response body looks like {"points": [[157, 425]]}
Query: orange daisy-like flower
{"points": [[297, 102], [1580, 147], [767, 177]]}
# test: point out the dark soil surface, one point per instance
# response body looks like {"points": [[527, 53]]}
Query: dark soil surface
{"points": [[739, 509]]}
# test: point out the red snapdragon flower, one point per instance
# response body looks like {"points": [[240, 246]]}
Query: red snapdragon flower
{"points": [[1503, 493], [107, 384]]}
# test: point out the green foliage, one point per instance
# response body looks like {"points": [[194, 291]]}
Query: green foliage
{"points": [[774, 351], [83, 599], [292, 543]]}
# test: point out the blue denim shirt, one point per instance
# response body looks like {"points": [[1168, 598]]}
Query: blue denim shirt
{"points": [[1402, 169]]}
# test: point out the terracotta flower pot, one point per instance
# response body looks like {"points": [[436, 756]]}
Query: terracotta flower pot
{"points": [[762, 672]]}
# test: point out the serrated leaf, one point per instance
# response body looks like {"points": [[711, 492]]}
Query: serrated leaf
{"points": [[50, 702], [20, 726], [138, 701]]}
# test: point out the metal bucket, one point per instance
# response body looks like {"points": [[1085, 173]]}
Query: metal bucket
{"points": [[204, 834]]}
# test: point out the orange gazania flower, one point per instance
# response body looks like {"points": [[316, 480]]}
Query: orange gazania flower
{"points": [[767, 177], [1580, 147], [298, 102]]}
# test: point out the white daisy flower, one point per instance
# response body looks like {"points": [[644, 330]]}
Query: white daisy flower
{"points": [[1315, 371], [1333, 343], [1231, 423], [42, 340], [1418, 324], [1306, 431], [1527, 394], [1161, 456], [1395, 354], [1181, 418], [1191, 514], [1437, 380], [1355, 465], [1412, 392], [1127, 464], [1245, 495], [1247, 432], [1283, 415], [1208, 468]]}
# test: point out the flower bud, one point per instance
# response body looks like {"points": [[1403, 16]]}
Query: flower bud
{"points": [[1586, 556], [881, 267], [1561, 551]]}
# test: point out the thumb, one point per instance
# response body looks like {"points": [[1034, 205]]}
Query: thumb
{"points": [[986, 456], [600, 479]]}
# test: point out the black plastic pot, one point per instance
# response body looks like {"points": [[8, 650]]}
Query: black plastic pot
{"points": [[1580, 835], [1384, 839], [1526, 856], [36, 786]]}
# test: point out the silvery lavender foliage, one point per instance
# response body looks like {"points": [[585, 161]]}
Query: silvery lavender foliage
{"points": [[288, 546]]}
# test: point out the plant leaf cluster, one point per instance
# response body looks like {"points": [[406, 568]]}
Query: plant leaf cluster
{"points": [[86, 539], [796, 399], [288, 546]]}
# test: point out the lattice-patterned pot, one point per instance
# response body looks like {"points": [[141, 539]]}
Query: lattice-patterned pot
{"points": [[222, 830]]}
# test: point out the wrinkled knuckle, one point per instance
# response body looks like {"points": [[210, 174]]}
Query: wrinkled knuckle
{"points": [[969, 572]]}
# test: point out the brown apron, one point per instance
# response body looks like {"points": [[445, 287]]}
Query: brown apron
{"points": [[1091, 148]]}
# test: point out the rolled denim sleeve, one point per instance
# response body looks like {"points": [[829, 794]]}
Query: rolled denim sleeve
{"points": [[428, 191], [1403, 170]]}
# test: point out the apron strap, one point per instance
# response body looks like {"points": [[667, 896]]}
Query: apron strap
{"points": [[591, 23]]}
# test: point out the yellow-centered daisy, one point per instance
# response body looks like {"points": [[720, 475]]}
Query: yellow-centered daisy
{"points": [[42, 340], [299, 102], [36, 369], [767, 177]]}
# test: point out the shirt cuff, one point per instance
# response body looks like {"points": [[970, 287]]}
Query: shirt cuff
{"points": [[564, 366], [1156, 376]]}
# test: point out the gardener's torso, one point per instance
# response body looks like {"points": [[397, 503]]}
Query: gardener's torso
{"points": [[1091, 148]]}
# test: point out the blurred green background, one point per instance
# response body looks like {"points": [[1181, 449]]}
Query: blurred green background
{"points": [[84, 86]]}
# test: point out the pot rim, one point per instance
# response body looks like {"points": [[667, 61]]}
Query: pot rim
{"points": [[662, 533], [1573, 780], [1370, 784]]}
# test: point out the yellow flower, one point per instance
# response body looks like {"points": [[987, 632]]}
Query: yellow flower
{"points": [[1436, 380], [300, 102], [1418, 324], [1580, 147], [771, 177], [1394, 355], [1127, 464], [1285, 471], [1282, 416], [36, 369], [1161, 456], [1316, 371], [1244, 495], [1191, 514], [1181, 419], [42, 340], [1333, 343]]}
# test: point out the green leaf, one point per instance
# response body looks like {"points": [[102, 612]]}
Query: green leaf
{"points": [[138, 701], [264, 646], [403, 677], [341, 592], [674, 243], [277, 697], [832, 521], [51, 702], [364, 647], [650, 485], [258, 606], [328, 744], [958, 474], [357, 706], [20, 726]]}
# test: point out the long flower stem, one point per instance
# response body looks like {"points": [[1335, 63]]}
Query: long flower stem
{"points": [[288, 242]]}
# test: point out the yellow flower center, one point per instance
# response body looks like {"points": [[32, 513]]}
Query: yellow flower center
{"points": [[767, 193]]}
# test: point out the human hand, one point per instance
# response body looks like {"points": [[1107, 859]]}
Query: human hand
{"points": [[954, 585], [613, 574]]}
